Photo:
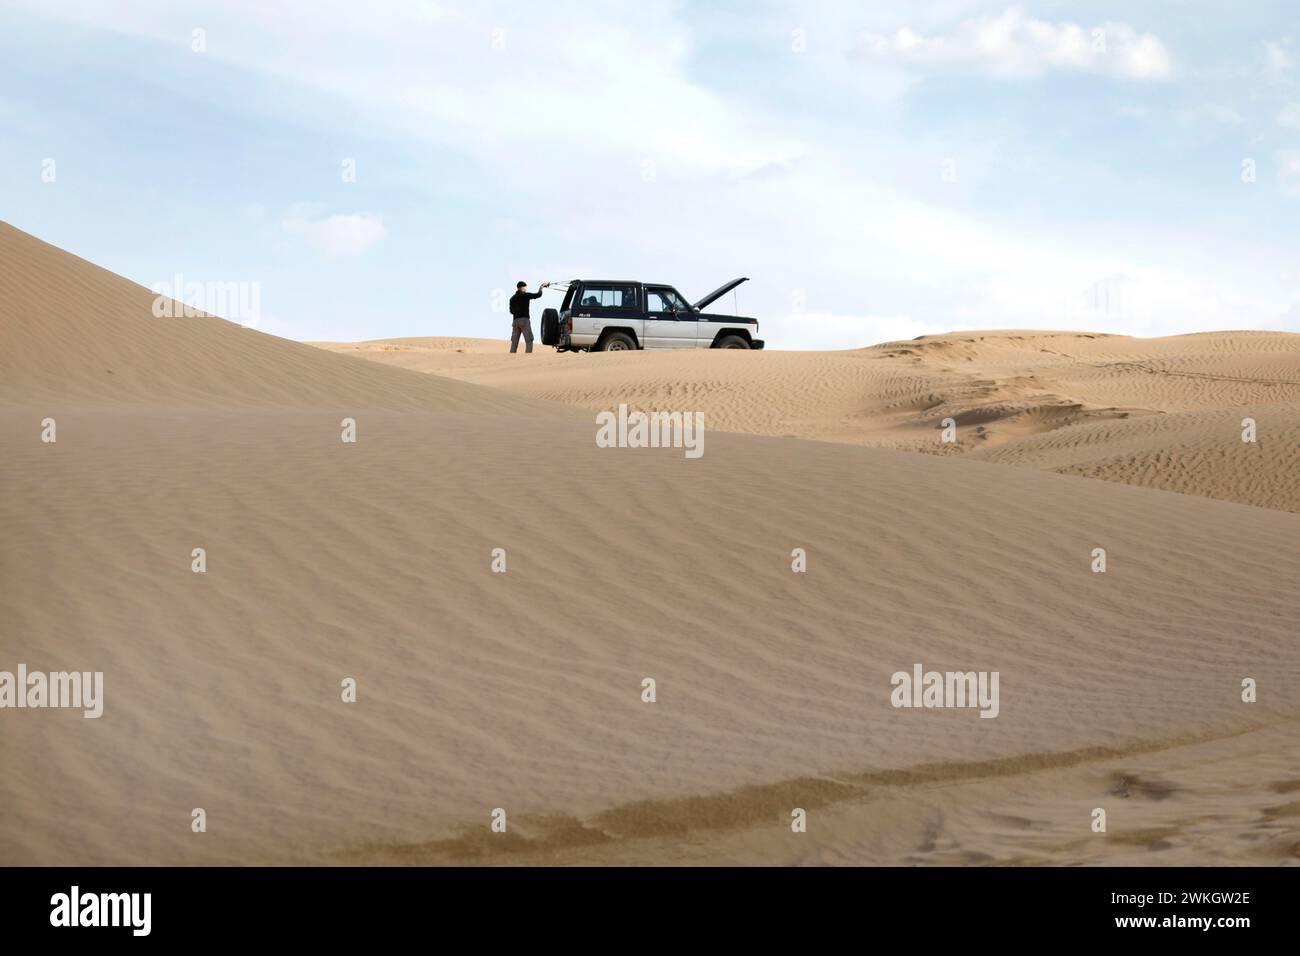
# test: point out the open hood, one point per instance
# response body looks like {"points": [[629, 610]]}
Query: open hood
{"points": [[718, 293]]}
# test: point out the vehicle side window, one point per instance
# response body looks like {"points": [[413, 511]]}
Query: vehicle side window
{"points": [[608, 297], [664, 300]]}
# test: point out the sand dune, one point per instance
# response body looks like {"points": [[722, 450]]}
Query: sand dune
{"points": [[1161, 413], [76, 334], [522, 690]]}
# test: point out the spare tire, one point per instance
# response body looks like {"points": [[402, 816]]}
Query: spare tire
{"points": [[550, 327]]}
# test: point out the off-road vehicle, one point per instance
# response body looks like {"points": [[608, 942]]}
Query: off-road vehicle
{"points": [[604, 315]]}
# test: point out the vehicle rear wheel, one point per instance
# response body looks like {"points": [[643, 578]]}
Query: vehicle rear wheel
{"points": [[618, 342], [732, 342]]}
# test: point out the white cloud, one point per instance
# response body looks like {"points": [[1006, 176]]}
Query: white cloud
{"points": [[1278, 61], [1288, 171], [338, 235], [491, 80], [1289, 117], [1014, 44], [829, 330], [1222, 113]]}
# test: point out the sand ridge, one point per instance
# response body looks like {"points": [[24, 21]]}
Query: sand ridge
{"points": [[74, 334], [1163, 413]]}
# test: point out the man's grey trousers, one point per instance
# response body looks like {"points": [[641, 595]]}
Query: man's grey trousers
{"points": [[522, 327]]}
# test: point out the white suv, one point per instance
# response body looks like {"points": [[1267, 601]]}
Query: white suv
{"points": [[603, 315]]}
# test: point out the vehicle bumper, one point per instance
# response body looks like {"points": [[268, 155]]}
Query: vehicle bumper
{"points": [[580, 341], [755, 343]]}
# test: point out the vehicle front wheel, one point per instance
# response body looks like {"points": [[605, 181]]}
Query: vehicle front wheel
{"points": [[618, 342], [732, 342]]}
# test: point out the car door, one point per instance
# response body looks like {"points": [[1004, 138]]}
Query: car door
{"points": [[602, 305], [669, 321]]}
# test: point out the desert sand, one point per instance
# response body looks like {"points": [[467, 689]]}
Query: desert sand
{"points": [[523, 690], [1162, 413]]}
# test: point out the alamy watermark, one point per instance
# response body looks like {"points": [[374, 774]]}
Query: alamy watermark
{"points": [[75, 908], [237, 301], [626, 429], [923, 688], [82, 690]]}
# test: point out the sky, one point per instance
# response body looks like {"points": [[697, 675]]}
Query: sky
{"points": [[878, 170]]}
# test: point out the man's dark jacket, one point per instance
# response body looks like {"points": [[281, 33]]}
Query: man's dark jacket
{"points": [[519, 304]]}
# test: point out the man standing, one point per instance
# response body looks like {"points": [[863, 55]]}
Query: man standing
{"points": [[521, 323]]}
